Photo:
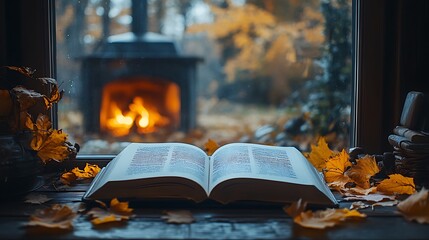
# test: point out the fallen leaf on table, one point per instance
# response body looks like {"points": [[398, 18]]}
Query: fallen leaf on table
{"points": [[90, 171], [295, 208], [36, 198], [117, 212], [397, 184], [363, 170], [336, 166], [374, 197], [56, 216], [210, 147], [326, 218], [178, 216], [359, 205], [385, 204], [319, 154], [416, 207], [360, 191]]}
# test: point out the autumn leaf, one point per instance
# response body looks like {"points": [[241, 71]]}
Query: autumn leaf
{"points": [[90, 171], [358, 205], [295, 208], [363, 170], [385, 204], [54, 147], [397, 184], [210, 147], [27, 97], [326, 218], [416, 207], [336, 166], [319, 154], [178, 216], [68, 178], [56, 216], [117, 212], [26, 71], [373, 197], [35, 198]]}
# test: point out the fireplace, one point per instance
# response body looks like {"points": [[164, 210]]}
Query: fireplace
{"points": [[138, 82]]}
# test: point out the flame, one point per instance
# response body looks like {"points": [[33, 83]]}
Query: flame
{"points": [[144, 118]]}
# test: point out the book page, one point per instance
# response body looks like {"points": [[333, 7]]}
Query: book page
{"points": [[244, 160], [148, 160]]}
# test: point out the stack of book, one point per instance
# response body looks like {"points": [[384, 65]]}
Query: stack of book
{"points": [[410, 140]]}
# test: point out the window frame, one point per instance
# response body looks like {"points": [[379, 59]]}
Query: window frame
{"points": [[368, 126]]}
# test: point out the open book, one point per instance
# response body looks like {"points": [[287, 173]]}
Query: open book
{"points": [[236, 171]]}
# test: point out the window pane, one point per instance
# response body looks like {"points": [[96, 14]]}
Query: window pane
{"points": [[271, 72]]}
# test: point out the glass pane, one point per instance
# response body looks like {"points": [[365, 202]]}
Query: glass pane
{"points": [[270, 72]]}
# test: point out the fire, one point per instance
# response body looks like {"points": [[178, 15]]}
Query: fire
{"points": [[144, 118]]}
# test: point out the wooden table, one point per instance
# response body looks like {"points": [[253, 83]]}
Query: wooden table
{"points": [[213, 221]]}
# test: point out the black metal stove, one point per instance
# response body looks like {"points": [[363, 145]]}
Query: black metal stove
{"points": [[138, 54]]}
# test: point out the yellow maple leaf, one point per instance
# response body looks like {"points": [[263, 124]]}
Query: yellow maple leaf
{"points": [[54, 147], [397, 184], [416, 207], [336, 166], [90, 171], [117, 212], [319, 154], [363, 170], [326, 218], [210, 147], [56, 216]]}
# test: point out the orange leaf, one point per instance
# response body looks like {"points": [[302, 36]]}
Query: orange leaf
{"points": [[326, 218], [336, 166], [397, 184], [54, 148], [319, 154], [68, 178], [364, 169], [416, 207], [178, 216], [117, 212], [210, 147], [295, 208], [90, 171], [57, 216]]}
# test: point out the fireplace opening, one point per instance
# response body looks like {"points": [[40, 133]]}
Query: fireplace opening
{"points": [[139, 105]]}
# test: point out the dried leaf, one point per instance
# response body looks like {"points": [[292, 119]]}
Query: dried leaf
{"points": [[68, 178], [385, 204], [27, 98], [57, 216], [416, 207], [54, 147], [178, 216], [117, 212], [210, 147], [319, 154], [26, 71], [363, 170], [90, 171], [295, 208], [35, 198], [397, 184], [358, 205], [376, 197], [336, 166], [326, 218]]}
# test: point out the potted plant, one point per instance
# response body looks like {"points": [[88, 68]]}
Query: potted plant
{"points": [[27, 138]]}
